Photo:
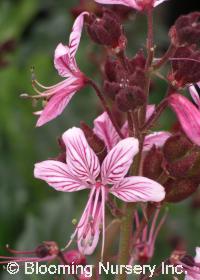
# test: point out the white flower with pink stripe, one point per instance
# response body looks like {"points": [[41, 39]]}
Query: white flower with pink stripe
{"points": [[83, 171]]}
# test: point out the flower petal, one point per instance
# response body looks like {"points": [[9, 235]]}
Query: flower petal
{"points": [[57, 103], [197, 257], [129, 3], [157, 138], [75, 35], [138, 189], [81, 159], [118, 161], [57, 175], [62, 61], [105, 130], [195, 95], [158, 2], [188, 115]]}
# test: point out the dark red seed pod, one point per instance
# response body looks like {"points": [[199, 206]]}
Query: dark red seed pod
{"points": [[130, 98], [180, 189], [176, 147], [152, 165], [186, 30], [111, 89], [185, 66], [106, 30], [94, 141], [181, 167]]}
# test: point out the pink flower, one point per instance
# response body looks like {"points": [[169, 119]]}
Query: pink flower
{"points": [[194, 93], [83, 171], [188, 115], [58, 96], [193, 273], [191, 265], [105, 130], [139, 5]]}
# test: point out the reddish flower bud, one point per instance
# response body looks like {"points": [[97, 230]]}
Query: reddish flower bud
{"points": [[186, 30], [94, 141], [130, 98], [154, 169], [180, 189], [185, 66], [47, 248], [74, 257], [106, 30], [176, 147]]}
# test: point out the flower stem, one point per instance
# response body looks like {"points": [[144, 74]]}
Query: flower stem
{"points": [[127, 221], [169, 53], [106, 107]]}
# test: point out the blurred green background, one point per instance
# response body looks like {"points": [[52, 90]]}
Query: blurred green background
{"points": [[30, 211]]}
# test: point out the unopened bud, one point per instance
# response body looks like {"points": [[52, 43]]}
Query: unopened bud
{"points": [[48, 248]]}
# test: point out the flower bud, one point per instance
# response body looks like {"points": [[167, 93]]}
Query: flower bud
{"points": [[180, 189], [186, 30], [47, 248], [106, 30], [94, 141], [176, 147], [152, 165], [185, 66]]}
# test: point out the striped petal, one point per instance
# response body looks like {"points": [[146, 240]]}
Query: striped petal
{"points": [[117, 163], [138, 189], [194, 94], [81, 159], [157, 138], [75, 35], [188, 115], [58, 176], [128, 3], [65, 65], [57, 103], [105, 130], [158, 2]]}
